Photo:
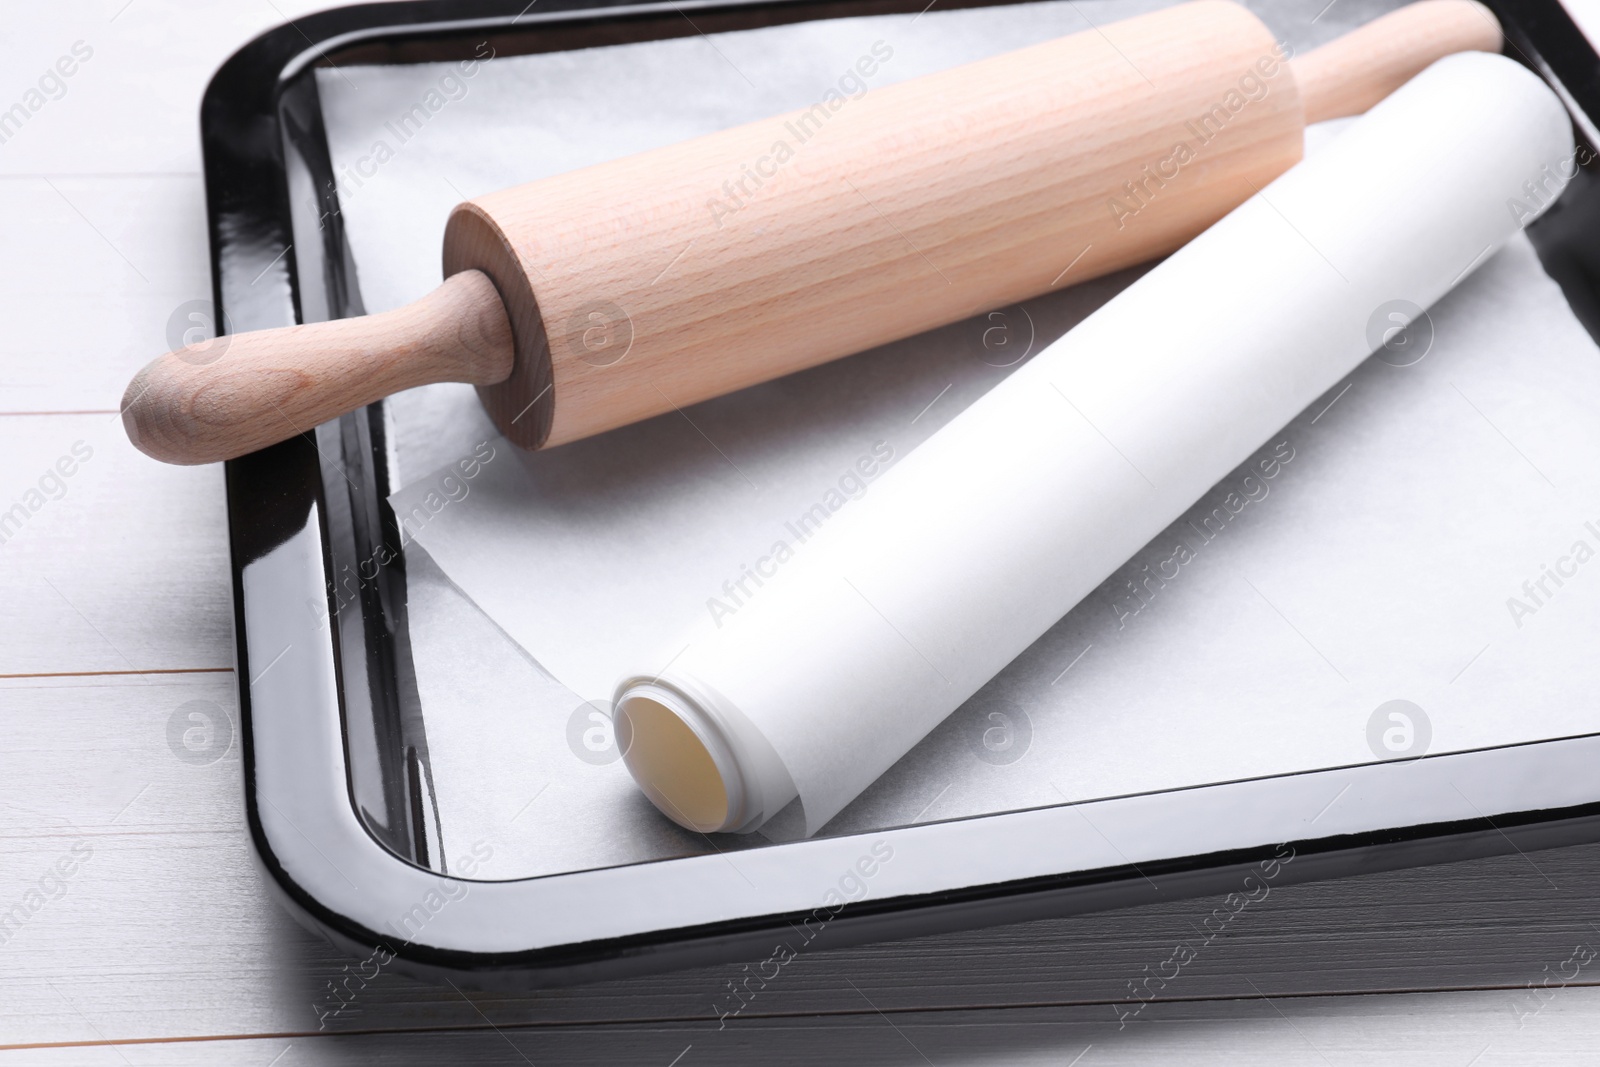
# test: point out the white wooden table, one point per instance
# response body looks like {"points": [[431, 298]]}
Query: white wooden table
{"points": [[134, 928]]}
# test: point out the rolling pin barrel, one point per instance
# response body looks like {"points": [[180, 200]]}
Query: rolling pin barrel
{"points": [[593, 299]]}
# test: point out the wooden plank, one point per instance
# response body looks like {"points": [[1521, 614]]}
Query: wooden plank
{"points": [[130, 106], [111, 264], [119, 565], [1448, 1030]]}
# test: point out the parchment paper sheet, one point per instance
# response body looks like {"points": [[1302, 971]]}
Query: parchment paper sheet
{"points": [[1416, 504]]}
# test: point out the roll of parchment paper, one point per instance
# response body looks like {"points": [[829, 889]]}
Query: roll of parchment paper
{"points": [[977, 542]]}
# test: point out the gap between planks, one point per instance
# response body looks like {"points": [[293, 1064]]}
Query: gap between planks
{"points": [[114, 674]]}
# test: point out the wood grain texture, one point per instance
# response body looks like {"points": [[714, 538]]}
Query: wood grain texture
{"points": [[662, 279], [1349, 75], [224, 397], [700, 268]]}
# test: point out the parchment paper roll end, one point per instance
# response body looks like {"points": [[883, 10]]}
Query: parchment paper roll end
{"points": [[697, 758]]}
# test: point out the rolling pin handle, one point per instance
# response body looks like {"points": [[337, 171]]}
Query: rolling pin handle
{"points": [[1347, 76], [235, 394]]}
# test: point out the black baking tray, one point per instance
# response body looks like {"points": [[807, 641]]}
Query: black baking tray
{"points": [[339, 794]]}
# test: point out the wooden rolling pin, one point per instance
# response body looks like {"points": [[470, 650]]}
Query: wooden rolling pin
{"points": [[606, 295]]}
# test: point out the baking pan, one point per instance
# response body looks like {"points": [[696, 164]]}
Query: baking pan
{"points": [[340, 789]]}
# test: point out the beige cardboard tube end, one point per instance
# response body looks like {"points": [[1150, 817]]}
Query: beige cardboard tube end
{"points": [[679, 759]]}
